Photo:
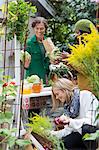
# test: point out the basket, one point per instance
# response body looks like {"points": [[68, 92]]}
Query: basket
{"points": [[38, 102]]}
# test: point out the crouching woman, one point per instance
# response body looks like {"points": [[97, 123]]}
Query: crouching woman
{"points": [[79, 114]]}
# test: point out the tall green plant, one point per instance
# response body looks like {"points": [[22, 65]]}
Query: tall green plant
{"points": [[18, 13], [18, 19]]}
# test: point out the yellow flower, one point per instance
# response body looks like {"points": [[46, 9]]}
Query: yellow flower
{"points": [[87, 49], [85, 58]]}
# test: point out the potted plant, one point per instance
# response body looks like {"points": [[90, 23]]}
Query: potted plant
{"points": [[59, 71], [85, 59], [41, 127]]}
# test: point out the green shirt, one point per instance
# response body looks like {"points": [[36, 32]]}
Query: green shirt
{"points": [[39, 62]]}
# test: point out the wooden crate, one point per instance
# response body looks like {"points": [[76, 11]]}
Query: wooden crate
{"points": [[38, 102]]}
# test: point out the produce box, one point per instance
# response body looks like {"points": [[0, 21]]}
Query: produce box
{"points": [[38, 102]]}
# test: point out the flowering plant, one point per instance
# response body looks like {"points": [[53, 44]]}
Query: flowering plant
{"points": [[85, 57], [8, 89], [41, 127]]}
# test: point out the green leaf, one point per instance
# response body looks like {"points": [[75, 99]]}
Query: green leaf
{"points": [[1, 82], [22, 142], [92, 136], [5, 132], [7, 77], [2, 98], [5, 117], [11, 141], [13, 130], [86, 136], [97, 117], [8, 114]]}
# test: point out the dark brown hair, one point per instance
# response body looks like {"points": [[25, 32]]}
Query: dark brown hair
{"points": [[38, 20]]}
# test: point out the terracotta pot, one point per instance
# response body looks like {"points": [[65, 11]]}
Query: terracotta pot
{"points": [[36, 88], [83, 82], [29, 147]]}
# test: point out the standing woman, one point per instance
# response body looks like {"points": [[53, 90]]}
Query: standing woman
{"points": [[39, 63], [79, 114]]}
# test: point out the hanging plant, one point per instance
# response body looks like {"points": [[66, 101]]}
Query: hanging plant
{"points": [[18, 17]]}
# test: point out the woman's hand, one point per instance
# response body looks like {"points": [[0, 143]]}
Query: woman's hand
{"points": [[64, 119], [27, 63], [25, 58], [65, 55]]}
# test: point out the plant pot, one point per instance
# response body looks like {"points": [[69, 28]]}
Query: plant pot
{"points": [[43, 141], [83, 82], [29, 147], [26, 91], [36, 88]]}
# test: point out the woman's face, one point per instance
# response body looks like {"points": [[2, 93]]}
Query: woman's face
{"points": [[60, 94], [78, 33], [39, 30]]}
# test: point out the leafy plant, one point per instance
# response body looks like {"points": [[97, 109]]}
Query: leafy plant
{"points": [[6, 135], [5, 117], [91, 136], [17, 13], [18, 17], [11, 140], [7, 89], [60, 70], [42, 126], [61, 27]]}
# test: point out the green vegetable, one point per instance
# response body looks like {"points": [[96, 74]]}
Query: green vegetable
{"points": [[33, 79], [24, 55], [55, 54]]}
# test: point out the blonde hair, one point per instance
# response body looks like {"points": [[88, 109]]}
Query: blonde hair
{"points": [[62, 84]]}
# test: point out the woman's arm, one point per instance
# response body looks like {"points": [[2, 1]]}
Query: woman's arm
{"points": [[27, 59], [62, 133], [88, 112]]}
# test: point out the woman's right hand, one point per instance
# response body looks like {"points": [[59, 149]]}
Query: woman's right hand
{"points": [[27, 63], [64, 119]]}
